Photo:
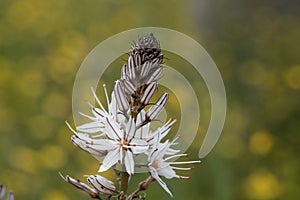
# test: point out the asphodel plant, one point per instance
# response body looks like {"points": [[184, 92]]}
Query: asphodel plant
{"points": [[120, 133]]}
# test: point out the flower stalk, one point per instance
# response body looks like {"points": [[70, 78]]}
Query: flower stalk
{"points": [[120, 133], [124, 183]]}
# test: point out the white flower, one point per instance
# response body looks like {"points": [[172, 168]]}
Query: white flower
{"points": [[99, 114], [116, 141], [143, 131], [160, 165], [121, 141]]}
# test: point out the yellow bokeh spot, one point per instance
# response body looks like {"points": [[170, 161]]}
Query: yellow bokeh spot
{"points": [[56, 105], [53, 157], [54, 194], [7, 74], [6, 119], [66, 57], [40, 127], [261, 142], [226, 145], [40, 16], [292, 77], [24, 158], [262, 185], [31, 83], [253, 73]]}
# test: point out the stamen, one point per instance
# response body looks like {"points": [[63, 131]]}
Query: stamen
{"points": [[71, 128], [106, 95], [87, 116], [98, 101], [183, 168], [185, 162], [176, 156], [184, 177], [90, 104]]}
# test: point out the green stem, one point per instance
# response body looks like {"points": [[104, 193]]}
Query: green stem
{"points": [[124, 183]]}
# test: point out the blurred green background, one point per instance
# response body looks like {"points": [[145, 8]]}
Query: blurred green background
{"points": [[255, 44]]}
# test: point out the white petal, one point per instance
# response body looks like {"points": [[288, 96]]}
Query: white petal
{"points": [[129, 162], [112, 129], [104, 144], [142, 131], [95, 152], [158, 179], [84, 137], [130, 128], [91, 127], [138, 146], [121, 155], [163, 131], [166, 171], [110, 159]]}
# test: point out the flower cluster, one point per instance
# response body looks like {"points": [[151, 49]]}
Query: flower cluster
{"points": [[10, 196], [116, 136]]}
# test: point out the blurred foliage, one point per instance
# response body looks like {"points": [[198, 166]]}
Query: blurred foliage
{"points": [[255, 45]]}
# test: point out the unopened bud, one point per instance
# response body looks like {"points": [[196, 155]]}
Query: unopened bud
{"points": [[155, 109], [131, 68], [148, 93], [154, 73], [82, 186], [144, 185], [11, 196], [2, 190], [101, 184], [128, 87], [122, 102]]}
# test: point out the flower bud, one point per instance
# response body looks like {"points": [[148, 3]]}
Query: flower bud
{"points": [[155, 109], [11, 196], [148, 93], [154, 73], [2, 190], [121, 99], [82, 186], [101, 184], [131, 68]]}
